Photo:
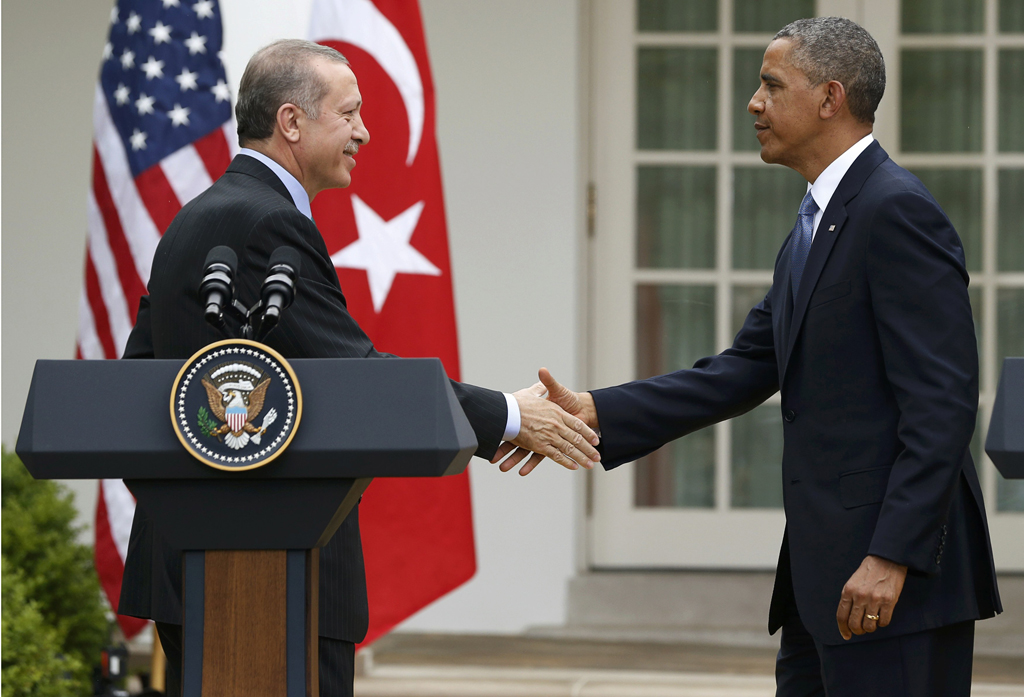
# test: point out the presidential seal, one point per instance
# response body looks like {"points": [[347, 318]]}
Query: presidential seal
{"points": [[236, 404]]}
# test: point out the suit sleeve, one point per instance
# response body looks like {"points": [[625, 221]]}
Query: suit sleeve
{"points": [[918, 286], [639, 417], [140, 341], [319, 325]]}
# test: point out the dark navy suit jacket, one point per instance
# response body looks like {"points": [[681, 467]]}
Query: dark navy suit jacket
{"points": [[250, 210], [877, 361]]}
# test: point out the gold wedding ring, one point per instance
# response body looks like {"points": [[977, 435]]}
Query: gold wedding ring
{"points": [[871, 617]]}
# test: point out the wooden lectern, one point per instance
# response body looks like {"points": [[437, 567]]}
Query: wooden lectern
{"points": [[249, 538]]}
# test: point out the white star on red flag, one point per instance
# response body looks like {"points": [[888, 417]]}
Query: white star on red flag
{"points": [[383, 249]]}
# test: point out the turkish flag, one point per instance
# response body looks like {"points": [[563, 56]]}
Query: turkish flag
{"points": [[388, 239]]}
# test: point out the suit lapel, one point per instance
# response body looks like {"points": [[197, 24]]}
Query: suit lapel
{"points": [[831, 225], [828, 230]]}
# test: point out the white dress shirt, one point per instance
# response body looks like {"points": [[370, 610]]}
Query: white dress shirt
{"points": [[299, 195], [828, 181], [513, 423]]}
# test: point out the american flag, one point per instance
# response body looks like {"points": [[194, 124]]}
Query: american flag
{"points": [[163, 132]]}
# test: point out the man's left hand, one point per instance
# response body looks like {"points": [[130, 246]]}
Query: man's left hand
{"points": [[873, 590]]}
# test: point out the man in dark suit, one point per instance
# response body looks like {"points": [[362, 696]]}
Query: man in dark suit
{"points": [[300, 128], [867, 330]]}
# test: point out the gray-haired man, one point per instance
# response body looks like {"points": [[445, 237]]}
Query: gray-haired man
{"points": [[300, 128]]}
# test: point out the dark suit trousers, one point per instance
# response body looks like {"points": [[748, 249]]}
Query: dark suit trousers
{"points": [[933, 663], [337, 663]]}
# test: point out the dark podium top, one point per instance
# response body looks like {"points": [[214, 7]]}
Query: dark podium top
{"points": [[1005, 441], [361, 418]]}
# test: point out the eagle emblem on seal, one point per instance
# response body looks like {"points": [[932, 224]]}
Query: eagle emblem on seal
{"points": [[236, 392]]}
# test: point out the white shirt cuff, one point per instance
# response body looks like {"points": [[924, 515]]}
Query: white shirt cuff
{"points": [[515, 420]]}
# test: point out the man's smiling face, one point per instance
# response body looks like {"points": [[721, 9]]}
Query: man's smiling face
{"points": [[328, 144]]}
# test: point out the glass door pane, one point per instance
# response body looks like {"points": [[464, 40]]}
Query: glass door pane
{"points": [[943, 16], [1010, 231], [959, 193], [765, 202], [1010, 318], [677, 92], [746, 71], [672, 15], [675, 217], [769, 15], [941, 102], [1011, 100], [675, 328]]}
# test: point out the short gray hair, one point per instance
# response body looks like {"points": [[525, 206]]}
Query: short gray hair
{"points": [[281, 73], [836, 48]]}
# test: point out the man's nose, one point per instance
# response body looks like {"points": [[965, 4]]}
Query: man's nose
{"points": [[756, 104], [360, 133]]}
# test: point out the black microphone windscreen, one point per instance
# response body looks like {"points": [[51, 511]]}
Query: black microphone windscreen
{"points": [[288, 256], [222, 254]]}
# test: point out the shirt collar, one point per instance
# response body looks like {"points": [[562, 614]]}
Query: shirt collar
{"points": [[299, 195], [828, 181]]}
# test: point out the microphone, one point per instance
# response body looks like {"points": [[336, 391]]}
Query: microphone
{"points": [[279, 289], [217, 287]]}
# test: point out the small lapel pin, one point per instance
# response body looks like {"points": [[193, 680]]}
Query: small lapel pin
{"points": [[831, 228]]}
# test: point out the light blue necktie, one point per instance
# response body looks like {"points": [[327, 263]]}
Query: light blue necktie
{"points": [[802, 236]]}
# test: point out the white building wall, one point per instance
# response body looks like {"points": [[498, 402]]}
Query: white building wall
{"points": [[508, 128]]}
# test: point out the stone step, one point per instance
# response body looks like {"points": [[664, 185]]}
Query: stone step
{"points": [[474, 681], [727, 608]]}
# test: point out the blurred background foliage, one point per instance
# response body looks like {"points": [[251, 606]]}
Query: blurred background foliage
{"points": [[55, 623]]}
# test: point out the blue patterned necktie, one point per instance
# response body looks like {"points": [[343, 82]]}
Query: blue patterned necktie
{"points": [[802, 236]]}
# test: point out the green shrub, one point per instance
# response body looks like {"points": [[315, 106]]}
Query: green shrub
{"points": [[55, 574], [31, 648]]}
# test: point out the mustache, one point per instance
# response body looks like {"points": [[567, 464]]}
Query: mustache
{"points": [[352, 148]]}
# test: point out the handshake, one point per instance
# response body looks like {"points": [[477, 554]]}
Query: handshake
{"points": [[555, 423]]}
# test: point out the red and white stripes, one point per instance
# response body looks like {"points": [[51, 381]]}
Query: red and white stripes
{"points": [[126, 217]]}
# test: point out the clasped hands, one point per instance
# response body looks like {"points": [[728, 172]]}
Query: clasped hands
{"points": [[556, 423]]}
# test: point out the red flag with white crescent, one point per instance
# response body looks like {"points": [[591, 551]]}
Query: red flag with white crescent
{"points": [[388, 240]]}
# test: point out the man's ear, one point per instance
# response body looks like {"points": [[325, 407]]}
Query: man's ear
{"points": [[833, 100], [288, 116]]}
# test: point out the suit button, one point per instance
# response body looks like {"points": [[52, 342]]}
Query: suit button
{"points": [[789, 415]]}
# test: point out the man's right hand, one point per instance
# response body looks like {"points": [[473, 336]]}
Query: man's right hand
{"points": [[555, 424]]}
